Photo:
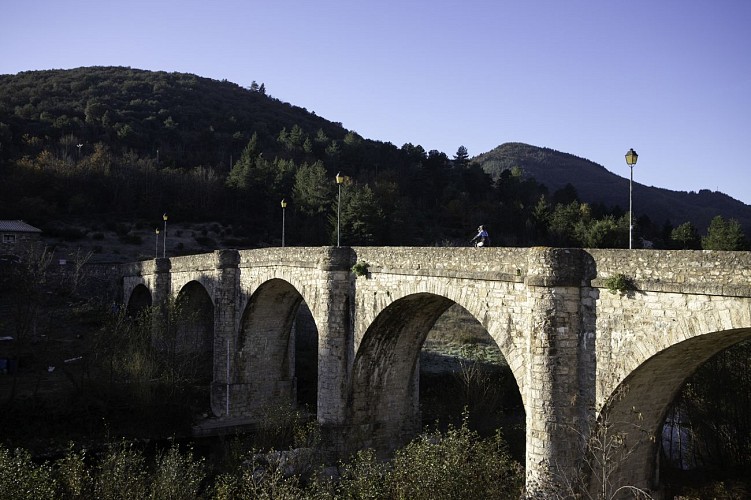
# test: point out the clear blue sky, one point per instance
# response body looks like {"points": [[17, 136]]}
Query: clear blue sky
{"points": [[670, 78]]}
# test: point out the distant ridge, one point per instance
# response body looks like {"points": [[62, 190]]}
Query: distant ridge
{"points": [[595, 184]]}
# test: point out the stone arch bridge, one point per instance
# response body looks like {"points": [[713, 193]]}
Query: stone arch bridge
{"points": [[578, 352]]}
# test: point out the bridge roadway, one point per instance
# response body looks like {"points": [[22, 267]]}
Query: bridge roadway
{"points": [[580, 354]]}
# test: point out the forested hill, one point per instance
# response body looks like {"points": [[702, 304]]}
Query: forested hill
{"points": [[595, 184], [124, 146], [191, 120]]}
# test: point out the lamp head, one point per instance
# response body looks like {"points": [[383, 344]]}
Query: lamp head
{"points": [[631, 157], [284, 203], [164, 216], [339, 178]]}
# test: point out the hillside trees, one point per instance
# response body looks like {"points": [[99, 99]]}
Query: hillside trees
{"points": [[361, 217], [312, 195], [203, 149]]}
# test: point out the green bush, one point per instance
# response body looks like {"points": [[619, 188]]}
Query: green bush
{"points": [[620, 283], [360, 269], [122, 474], [177, 476], [74, 478], [364, 477], [455, 464], [21, 478]]}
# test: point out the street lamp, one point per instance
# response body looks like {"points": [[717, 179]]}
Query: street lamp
{"points": [[284, 205], [339, 180], [164, 252], [631, 158], [156, 243]]}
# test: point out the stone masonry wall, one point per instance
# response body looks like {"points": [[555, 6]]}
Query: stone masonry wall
{"points": [[570, 342]]}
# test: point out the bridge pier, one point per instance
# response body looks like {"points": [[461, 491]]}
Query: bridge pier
{"points": [[557, 421], [226, 301]]}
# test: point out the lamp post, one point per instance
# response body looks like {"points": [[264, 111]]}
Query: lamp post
{"points": [[339, 180], [284, 205], [631, 158], [156, 243], [164, 251]]}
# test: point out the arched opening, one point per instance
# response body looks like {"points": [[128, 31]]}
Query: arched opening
{"points": [[305, 334], [462, 368], [631, 425], [139, 301], [387, 405], [188, 340], [706, 436], [278, 349]]}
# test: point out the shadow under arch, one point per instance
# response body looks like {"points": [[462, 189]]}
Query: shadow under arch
{"points": [[636, 410], [276, 327], [139, 300], [192, 343], [383, 399]]}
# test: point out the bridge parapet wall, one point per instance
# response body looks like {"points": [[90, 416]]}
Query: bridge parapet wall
{"points": [[706, 272], [502, 264], [321, 258], [193, 263]]}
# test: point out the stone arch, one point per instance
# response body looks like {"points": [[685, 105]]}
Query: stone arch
{"points": [[384, 392], [139, 300], [266, 344], [383, 397], [192, 343], [637, 408], [195, 320], [507, 326]]}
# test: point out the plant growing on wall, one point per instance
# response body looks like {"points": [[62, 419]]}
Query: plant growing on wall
{"points": [[361, 268], [620, 283]]}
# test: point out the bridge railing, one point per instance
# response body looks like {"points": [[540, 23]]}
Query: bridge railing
{"points": [[682, 271]]}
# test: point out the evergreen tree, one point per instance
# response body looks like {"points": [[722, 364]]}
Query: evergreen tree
{"points": [[461, 158], [313, 190], [361, 219], [724, 235], [240, 175], [685, 236]]}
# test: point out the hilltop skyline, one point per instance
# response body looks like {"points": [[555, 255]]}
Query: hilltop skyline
{"points": [[585, 78]]}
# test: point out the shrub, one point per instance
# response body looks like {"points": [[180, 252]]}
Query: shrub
{"points": [[360, 269], [21, 478], [177, 475], [122, 474], [364, 477], [456, 464], [73, 476], [620, 283]]}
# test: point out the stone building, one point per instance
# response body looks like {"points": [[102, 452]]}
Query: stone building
{"points": [[16, 235]]}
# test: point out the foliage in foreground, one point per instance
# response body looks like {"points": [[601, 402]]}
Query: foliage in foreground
{"points": [[455, 464]]}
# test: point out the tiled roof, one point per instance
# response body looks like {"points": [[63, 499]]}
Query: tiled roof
{"points": [[17, 226]]}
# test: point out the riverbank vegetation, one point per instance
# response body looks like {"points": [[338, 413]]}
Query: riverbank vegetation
{"points": [[453, 464]]}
